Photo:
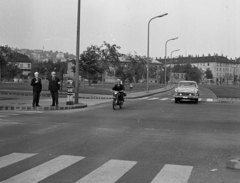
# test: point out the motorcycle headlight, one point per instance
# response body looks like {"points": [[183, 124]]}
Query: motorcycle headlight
{"points": [[115, 92]]}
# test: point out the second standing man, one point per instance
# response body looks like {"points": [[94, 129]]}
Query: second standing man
{"points": [[53, 87]]}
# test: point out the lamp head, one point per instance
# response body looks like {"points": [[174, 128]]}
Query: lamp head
{"points": [[174, 38], [163, 15]]}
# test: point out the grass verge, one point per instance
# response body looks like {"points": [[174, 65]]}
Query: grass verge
{"points": [[104, 89], [225, 91]]}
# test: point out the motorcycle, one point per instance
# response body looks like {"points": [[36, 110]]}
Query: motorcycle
{"points": [[117, 101]]}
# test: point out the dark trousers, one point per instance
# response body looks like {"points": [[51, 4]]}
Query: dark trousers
{"points": [[36, 96], [54, 95]]}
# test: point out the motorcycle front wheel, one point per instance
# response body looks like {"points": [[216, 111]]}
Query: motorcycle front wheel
{"points": [[114, 104]]}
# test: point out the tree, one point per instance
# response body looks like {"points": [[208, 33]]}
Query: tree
{"points": [[192, 72], [11, 71], [5, 53], [208, 74], [89, 65], [39, 67], [108, 57], [133, 70]]}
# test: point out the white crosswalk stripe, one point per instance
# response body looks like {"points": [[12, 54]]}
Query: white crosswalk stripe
{"points": [[153, 98], [109, 172], [44, 170], [209, 100], [173, 174], [143, 98], [164, 98], [13, 158]]}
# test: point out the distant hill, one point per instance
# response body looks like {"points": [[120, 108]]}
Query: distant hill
{"points": [[43, 55]]}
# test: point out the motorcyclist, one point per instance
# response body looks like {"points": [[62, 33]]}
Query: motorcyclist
{"points": [[120, 88]]}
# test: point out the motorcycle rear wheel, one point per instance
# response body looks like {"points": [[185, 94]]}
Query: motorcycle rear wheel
{"points": [[120, 105]]}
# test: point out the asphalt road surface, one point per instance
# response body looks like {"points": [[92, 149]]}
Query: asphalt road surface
{"points": [[151, 139]]}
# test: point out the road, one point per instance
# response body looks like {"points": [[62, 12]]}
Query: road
{"points": [[150, 140]]}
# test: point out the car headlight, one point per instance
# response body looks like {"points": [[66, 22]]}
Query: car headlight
{"points": [[195, 92]]}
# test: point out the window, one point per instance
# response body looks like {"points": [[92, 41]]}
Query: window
{"points": [[208, 64], [29, 65], [21, 65]]}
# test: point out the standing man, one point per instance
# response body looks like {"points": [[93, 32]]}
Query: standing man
{"points": [[37, 88], [53, 87]]}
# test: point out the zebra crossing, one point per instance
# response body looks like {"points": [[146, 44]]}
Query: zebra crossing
{"points": [[109, 172], [172, 99]]}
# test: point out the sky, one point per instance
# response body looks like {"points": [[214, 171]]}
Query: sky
{"points": [[202, 26]]}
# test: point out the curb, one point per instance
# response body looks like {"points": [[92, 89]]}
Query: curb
{"points": [[234, 163], [30, 94], [28, 108], [229, 100]]}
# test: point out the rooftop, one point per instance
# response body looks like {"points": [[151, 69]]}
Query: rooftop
{"points": [[201, 59]]}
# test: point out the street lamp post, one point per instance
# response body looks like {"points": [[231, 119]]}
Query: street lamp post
{"points": [[148, 46], [166, 58], [77, 53], [234, 78], [171, 65]]}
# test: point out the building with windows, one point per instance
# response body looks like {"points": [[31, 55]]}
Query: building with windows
{"points": [[224, 70], [24, 63]]}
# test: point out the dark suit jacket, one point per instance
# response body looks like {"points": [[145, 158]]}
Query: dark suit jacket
{"points": [[53, 85], [37, 87], [118, 88]]}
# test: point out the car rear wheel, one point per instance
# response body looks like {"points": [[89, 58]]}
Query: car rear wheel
{"points": [[196, 101], [176, 100]]}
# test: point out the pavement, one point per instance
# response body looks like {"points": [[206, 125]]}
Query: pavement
{"points": [[22, 100]]}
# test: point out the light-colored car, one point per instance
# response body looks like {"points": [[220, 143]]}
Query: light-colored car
{"points": [[186, 90]]}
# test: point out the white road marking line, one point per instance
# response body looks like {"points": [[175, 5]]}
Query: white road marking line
{"points": [[153, 98], [13, 158], [164, 99], [30, 112], [9, 114], [109, 172], [209, 100], [44, 170], [143, 98], [173, 174]]}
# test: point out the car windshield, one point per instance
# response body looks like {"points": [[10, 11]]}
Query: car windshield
{"points": [[188, 84]]}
